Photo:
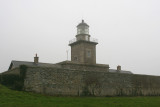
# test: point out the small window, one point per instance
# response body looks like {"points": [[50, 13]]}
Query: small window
{"points": [[75, 58], [88, 53]]}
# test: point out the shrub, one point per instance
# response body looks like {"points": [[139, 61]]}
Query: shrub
{"points": [[92, 85], [8, 79], [14, 81], [85, 91], [18, 85], [0, 78]]}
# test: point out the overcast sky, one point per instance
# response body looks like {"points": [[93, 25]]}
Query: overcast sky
{"points": [[128, 31]]}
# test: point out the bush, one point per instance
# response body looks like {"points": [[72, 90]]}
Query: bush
{"points": [[8, 79], [14, 81], [18, 85], [0, 78], [85, 92]]}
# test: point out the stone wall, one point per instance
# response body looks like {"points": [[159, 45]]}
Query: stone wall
{"points": [[56, 81], [84, 67], [15, 71]]}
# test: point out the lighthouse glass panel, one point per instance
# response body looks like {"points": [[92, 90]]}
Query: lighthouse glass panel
{"points": [[86, 31], [78, 31], [82, 30]]}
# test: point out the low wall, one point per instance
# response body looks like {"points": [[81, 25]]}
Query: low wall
{"points": [[15, 71], [56, 81], [84, 67]]}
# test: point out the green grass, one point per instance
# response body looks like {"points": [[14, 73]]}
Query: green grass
{"points": [[11, 98]]}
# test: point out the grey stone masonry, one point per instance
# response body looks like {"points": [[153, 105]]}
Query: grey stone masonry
{"points": [[58, 81], [84, 67]]}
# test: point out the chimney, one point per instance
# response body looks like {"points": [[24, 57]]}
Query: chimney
{"points": [[36, 59], [118, 68]]}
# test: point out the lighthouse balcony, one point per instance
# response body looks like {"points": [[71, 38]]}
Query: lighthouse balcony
{"points": [[92, 40]]}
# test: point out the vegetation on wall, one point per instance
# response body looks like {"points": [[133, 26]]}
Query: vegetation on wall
{"points": [[0, 77], [14, 81], [9, 80], [92, 86], [23, 69]]}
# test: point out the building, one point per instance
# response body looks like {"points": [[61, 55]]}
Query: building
{"points": [[83, 54], [83, 47], [82, 75]]}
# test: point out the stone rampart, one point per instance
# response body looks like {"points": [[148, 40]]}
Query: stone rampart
{"points": [[57, 81]]}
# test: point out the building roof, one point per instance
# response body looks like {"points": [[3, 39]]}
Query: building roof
{"points": [[82, 24], [15, 64], [120, 71]]}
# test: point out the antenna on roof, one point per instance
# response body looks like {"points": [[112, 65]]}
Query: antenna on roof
{"points": [[82, 21], [67, 54]]}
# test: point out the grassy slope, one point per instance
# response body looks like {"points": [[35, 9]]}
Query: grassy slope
{"points": [[10, 98]]}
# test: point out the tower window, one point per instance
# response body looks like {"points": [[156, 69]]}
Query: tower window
{"points": [[88, 53], [75, 58]]}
